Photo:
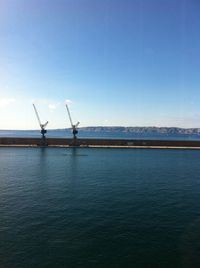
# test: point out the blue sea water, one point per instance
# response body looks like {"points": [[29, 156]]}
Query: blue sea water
{"points": [[81, 207], [66, 133]]}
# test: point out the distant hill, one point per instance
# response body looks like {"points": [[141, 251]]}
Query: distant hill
{"points": [[145, 130]]}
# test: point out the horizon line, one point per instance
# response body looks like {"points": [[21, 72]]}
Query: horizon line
{"points": [[99, 126]]}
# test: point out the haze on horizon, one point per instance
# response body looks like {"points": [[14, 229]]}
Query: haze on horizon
{"points": [[116, 63]]}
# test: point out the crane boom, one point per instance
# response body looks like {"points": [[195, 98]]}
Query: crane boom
{"points": [[38, 118], [37, 115], [74, 127], [70, 119], [42, 126], [77, 124]]}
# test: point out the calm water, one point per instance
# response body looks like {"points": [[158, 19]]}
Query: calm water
{"points": [[99, 208], [66, 133]]}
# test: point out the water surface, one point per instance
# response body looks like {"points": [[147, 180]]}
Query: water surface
{"points": [[67, 133], [99, 208]]}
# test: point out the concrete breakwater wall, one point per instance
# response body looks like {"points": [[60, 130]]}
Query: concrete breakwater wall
{"points": [[9, 141]]}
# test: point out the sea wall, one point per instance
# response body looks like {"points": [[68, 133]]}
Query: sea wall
{"points": [[8, 141]]}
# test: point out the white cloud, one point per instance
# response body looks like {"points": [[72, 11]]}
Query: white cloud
{"points": [[68, 101], [4, 102], [53, 106]]}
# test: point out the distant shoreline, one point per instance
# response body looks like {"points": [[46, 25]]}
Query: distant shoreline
{"points": [[120, 129]]}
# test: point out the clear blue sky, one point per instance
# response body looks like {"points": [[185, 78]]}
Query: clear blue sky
{"points": [[118, 62]]}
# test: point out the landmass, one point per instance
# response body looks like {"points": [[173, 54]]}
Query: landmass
{"points": [[144, 130]]}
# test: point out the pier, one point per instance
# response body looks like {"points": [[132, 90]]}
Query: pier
{"points": [[101, 143]]}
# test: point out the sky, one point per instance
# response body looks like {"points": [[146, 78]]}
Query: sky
{"points": [[115, 62]]}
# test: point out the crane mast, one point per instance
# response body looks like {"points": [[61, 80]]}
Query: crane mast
{"points": [[74, 127]]}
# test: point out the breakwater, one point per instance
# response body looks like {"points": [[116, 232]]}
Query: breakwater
{"points": [[9, 141]]}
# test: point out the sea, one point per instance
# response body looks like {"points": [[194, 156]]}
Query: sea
{"points": [[67, 133], [99, 208]]}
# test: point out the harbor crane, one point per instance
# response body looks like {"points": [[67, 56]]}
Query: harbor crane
{"points": [[42, 126], [74, 127]]}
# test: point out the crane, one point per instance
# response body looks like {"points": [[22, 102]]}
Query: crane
{"points": [[74, 127], [42, 126]]}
